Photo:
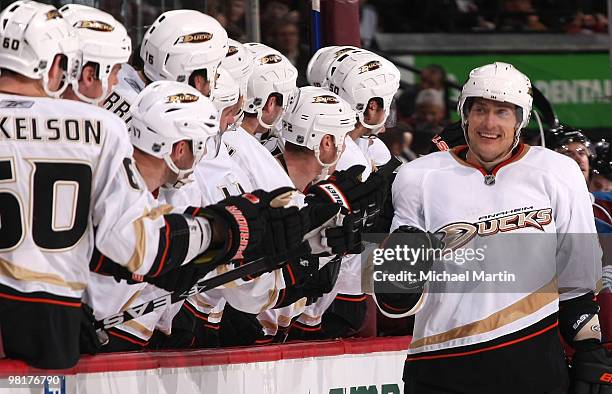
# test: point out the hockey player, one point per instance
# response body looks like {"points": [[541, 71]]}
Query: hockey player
{"points": [[165, 114], [181, 45], [46, 266], [105, 46], [367, 82], [468, 336], [269, 88]]}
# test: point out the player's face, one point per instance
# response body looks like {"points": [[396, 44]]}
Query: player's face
{"points": [[491, 128], [579, 153], [229, 115], [272, 113], [183, 158], [600, 183], [374, 113], [112, 78]]}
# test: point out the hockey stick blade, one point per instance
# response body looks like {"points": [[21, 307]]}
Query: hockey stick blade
{"points": [[254, 267]]}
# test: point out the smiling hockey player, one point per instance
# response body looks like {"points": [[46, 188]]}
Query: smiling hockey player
{"points": [[469, 341]]}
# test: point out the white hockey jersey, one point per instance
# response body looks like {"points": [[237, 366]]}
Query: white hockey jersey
{"points": [[375, 150], [72, 162], [262, 169], [124, 93], [526, 216], [349, 277]]}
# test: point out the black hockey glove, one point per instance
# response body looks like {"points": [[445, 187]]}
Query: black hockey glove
{"points": [[415, 239], [247, 222], [361, 199], [591, 371], [331, 235]]}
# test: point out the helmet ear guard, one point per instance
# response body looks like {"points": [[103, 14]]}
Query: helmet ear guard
{"points": [[272, 73], [34, 34], [180, 42], [167, 112], [358, 77], [314, 113], [104, 42]]}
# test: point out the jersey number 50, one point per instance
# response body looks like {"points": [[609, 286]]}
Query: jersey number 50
{"points": [[54, 185]]}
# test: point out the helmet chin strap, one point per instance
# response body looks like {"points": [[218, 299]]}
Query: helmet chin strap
{"points": [[264, 124], [94, 101], [325, 167], [183, 177], [376, 128]]}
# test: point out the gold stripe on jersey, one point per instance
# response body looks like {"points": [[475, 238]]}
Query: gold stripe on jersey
{"points": [[17, 272], [133, 324], [520, 309], [137, 258], [268, 325], [272, 293]]}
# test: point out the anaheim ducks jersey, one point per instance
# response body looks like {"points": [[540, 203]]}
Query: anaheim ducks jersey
{"points": [[68, 181], [531, 217], [262, 169], [349, 277], [374, 150], [123, 94]]}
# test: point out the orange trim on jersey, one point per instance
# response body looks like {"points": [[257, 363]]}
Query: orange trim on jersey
{"points": [[264, 341], [290, 271], [212, 327], [40, 300], [515, 157], [520, 153], [100, 260], [196, 314], [195, 213], [361, 298], [303, 327], [167, 246], [126, 338], [281, 297], [512, 342]]}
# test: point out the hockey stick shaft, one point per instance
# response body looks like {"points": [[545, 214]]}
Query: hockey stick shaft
{"points": [[254, 267]]}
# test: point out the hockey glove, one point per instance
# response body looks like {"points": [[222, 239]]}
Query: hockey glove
{"points": [[591, 371], [331, 232], [412, 238], [361, 199], [242, 222]]}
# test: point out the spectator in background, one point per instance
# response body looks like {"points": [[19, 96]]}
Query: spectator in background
{"points": [[587, 24], [428, 119], [235, 20], [398, 140], [285, 38], [273, 12]]}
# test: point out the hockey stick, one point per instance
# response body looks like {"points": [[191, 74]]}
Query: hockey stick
{"points": [[254, 267]]}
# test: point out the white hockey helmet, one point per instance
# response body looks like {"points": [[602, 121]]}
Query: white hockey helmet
{"points": [[500, 82], [32, 34], [272, 73], [104, 42], [239, 63], [225, 94], [180, 42], [226, 91], [313, 113], [167, 112], [358, 77], [319, 64]]}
